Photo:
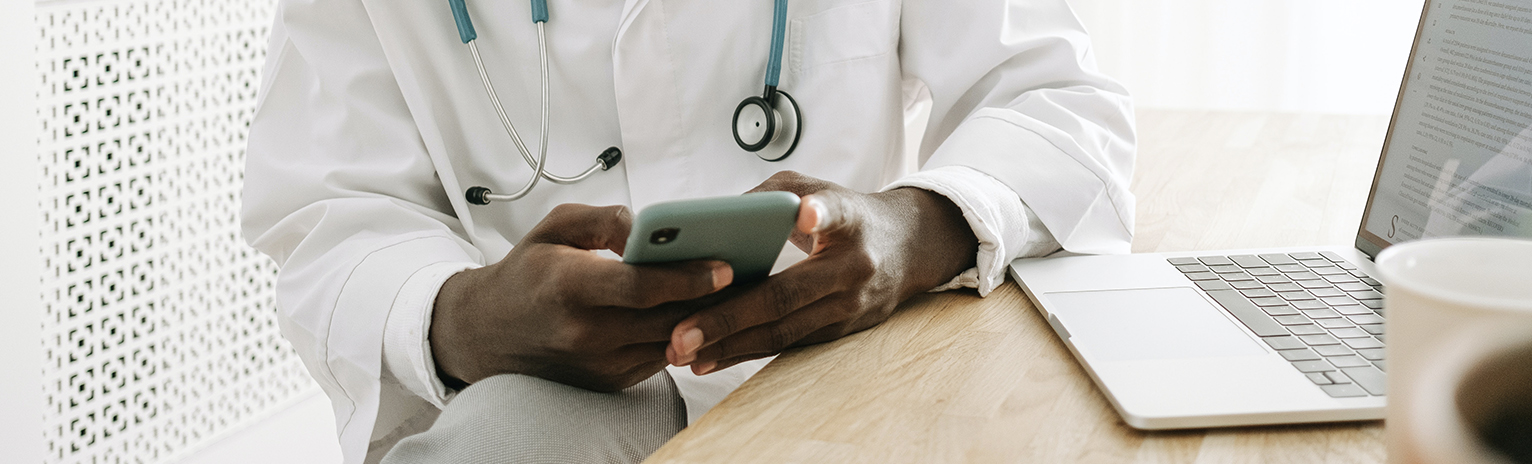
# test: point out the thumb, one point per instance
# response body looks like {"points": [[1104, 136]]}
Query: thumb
{"points": [[824, 217]]}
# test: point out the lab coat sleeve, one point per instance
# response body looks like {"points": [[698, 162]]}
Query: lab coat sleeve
{"points": [[341, 193], [1015, 96]]}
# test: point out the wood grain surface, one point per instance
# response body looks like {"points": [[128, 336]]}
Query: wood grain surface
{"points": [[953, 377]]}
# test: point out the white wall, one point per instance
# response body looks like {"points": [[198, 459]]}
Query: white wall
{"points": [[1331, 56], [21, 409]]}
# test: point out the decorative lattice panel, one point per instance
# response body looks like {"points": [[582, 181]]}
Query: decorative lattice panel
{"points": [[159, 332]]}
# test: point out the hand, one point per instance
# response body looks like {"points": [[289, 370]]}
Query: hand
{"points": [[555, 310], [867, 253]]}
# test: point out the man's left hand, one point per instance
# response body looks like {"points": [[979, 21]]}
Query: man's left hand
{"points": [[867, 253]]}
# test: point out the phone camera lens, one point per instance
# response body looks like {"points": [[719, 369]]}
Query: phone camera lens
{"points": [[663, 236]]}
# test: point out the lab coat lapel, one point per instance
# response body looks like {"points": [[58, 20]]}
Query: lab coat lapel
{"points": [[648, 105]]}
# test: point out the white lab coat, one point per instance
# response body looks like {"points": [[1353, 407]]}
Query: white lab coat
{"points": [[372, 124]]}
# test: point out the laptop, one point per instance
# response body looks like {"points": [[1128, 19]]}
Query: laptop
{"points": [[1269, 336]]}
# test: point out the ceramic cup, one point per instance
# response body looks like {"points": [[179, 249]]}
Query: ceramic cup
{"points": [[1459, 335]]}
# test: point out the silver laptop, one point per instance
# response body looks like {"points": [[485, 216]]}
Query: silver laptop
{"points": [[1245, 337]]}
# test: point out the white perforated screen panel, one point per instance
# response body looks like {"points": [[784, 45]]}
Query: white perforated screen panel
{"points": [[159, 332]]}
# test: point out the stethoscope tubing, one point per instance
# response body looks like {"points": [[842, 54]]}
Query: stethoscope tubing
{"points": [[539, 165], [506, 120], [481, 195]]}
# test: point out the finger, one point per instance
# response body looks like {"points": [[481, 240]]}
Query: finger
{"points": [[771, 300], [654, 324], [605, 282], [585, 227], [644, 325], [772, 337]]}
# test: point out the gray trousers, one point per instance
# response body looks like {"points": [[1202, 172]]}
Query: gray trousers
{"points": [[522, 419]]}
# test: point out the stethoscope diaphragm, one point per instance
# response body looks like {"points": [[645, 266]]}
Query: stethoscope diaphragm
{"points": [[769, 128]]}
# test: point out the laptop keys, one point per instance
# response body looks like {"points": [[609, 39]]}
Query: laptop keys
{"points": [[1247, 313], [1326, 291], [1210, 285], [1332, 350], [1349, 361], [1371, 354], [1319, 339], [1291, 268], [1202, 276], [1278, 259], [1262, 271], [1283, 310], [1189, 268], [1289, 287], [1299, 355], [1286, 342], [1363, 343], [1327, 270], [1248, 261], [1321, 313], [1313, 366], [1236, 277], [1296, 319], [1343, 391], [1216, 261], [1369, 378], [1341, 328], [1309, 304]]}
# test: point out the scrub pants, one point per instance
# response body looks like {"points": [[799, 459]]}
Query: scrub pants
{"points": [[521, 419]]}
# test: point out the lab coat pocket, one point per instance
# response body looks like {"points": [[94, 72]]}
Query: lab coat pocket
{"points": [[844, 33]]}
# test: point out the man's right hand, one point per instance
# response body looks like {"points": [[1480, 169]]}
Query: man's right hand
{"points": [[554, 309]]}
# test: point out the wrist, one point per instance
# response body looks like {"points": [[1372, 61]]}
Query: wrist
{"points": [[445, 331], [936, 240]]}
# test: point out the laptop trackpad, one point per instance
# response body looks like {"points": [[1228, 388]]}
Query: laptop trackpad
{"points": [[1154, 323]]}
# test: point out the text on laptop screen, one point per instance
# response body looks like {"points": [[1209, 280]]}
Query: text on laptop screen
{"points": [[1459, 154]]}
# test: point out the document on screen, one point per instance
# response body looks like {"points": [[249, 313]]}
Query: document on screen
{"points": [[1459, 159]]}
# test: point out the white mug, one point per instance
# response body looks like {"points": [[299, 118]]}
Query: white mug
{"points": [[1459, 336]]}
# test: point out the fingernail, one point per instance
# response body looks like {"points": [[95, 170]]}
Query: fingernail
{"points": [[691, 340], [704, 368], [819, 214], [722, 275]]}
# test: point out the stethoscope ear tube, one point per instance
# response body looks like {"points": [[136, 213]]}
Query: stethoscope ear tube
{"points": [[479, 195]]}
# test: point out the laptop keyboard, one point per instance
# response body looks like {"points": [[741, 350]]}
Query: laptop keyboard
{"points": [[1318, 311]]}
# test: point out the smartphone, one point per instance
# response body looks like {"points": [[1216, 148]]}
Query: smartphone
{"points": [[746, 231]]}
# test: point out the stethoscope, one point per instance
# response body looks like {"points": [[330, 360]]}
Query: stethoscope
{"points": [[759, 123]]}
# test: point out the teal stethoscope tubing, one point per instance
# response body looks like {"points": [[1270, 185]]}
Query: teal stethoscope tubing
{"points": [[465, 30], [778, 33]]}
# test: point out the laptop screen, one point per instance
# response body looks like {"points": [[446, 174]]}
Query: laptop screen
{"points": [[1458, 157]]}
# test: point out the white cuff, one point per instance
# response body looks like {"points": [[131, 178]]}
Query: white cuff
{"points": [[406, 348], [1005, 226]]}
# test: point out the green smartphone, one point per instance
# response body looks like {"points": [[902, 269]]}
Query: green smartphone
{"points": [[746, 231]]}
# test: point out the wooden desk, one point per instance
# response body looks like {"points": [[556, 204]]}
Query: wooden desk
{"points": [[956, 378]]}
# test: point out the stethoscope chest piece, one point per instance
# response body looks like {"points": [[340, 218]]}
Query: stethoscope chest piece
{"points": [[770, 129]]}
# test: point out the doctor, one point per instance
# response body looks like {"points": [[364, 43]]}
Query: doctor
{"points": [[399, 291]]}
